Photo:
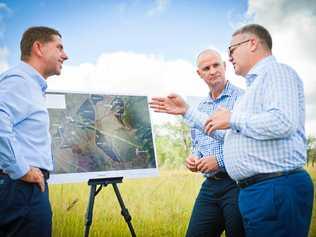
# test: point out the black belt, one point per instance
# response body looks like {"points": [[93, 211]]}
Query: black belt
{"points": [[218, 176], [261, 177], [44, 172]]}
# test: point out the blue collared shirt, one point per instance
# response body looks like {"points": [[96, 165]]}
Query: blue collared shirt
{"points": [[267, 124], [24, 123], [202, 144]]}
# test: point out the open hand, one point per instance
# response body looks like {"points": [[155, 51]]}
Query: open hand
{"points": [[172, 104]]}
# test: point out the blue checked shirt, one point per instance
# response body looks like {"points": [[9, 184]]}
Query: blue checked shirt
{"points": [[24, 122], [267, 124], [202, 144]]}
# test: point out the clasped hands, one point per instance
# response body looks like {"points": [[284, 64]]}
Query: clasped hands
{"points": [[204, 165]]}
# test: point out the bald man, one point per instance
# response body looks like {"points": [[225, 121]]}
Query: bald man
{"points": [[216, 207]]}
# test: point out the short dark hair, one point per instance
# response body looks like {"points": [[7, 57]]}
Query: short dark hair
{"points": [[32, 34], [258, 30]]}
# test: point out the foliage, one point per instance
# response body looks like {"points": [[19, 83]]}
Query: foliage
{"points": [[172, 143], [311, 151]]}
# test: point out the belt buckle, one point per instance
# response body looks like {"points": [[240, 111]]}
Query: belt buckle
{"points": [[215, 177], [242, 184]]}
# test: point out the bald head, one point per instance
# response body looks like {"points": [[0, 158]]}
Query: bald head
{"points": [[211, 68], [208, 52]]}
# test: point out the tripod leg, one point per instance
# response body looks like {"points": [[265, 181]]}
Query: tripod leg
{"points": [[124, 210], [90, 210]]}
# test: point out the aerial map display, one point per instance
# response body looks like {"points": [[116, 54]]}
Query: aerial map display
{"points": [[96, 135]]}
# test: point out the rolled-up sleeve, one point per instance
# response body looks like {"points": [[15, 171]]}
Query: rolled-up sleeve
{"points": [[198, 119]]}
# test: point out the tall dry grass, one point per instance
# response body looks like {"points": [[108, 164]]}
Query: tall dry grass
{"points": [[159, 206]]}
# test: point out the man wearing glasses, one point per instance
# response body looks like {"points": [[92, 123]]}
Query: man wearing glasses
{"points": [[216, 207], [265, 147]]}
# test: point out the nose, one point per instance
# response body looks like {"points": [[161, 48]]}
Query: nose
{"points": [[64, 56], [212, 70], [230, 58]]}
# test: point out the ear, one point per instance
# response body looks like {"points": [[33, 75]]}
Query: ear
{"points": [[224, 63], [37, 49], [199, 73], [254, 44]]}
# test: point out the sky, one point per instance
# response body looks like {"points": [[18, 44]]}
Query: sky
{"points": [[149, 47]]}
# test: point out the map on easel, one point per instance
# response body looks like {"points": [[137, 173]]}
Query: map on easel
{"points": [[97, 136]]}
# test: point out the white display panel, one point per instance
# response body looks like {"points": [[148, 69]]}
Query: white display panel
{"points": [[95, 135]]}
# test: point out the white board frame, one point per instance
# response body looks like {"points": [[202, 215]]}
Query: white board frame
{"points": [[85, 176]]}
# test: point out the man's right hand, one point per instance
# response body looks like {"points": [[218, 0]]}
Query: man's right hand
{"points": [[172, 104], [35, 175], [190, 163]]}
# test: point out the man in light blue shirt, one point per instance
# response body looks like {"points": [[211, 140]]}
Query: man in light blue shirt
{"points": [[265, 149], [25, 143], [216, 206]]}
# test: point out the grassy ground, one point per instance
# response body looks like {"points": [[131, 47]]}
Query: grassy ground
{"points": [[312, 172], [159, 206]]}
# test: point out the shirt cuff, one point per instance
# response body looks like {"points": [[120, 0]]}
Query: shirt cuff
{"points": [[188, 115], [196, 153], [195, 118], [220, 162], [16, 171]]}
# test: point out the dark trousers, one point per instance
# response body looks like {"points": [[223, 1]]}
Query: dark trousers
{"points": [[24, 209], [216, 209], [278, 207]]}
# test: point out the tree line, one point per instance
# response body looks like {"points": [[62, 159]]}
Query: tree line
{"points": [[173, 145]]}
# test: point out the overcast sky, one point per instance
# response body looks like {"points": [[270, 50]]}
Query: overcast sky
{"points": [[149, 47]]}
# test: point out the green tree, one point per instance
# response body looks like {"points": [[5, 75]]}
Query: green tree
{"points": [[173, 143], [311, 150]]}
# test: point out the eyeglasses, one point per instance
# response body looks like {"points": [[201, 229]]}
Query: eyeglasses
{"points": [[232, 48]]}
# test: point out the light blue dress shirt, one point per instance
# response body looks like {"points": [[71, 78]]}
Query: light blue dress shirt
{"points": [[267, 124], [202, 144], [24, 123]]}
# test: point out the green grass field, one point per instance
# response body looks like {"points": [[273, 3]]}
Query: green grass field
{"points": [[159, 206]]}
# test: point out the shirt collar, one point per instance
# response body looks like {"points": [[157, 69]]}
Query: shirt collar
{"points": [[225, 92], [34, 75], [258, 69]]}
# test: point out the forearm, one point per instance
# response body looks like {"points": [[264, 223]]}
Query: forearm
{"points": [[197, 119]]}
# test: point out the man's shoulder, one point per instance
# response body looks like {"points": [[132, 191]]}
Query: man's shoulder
{"points": [[280, 72], [14, 72], [13, 77], [278, 67]]}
